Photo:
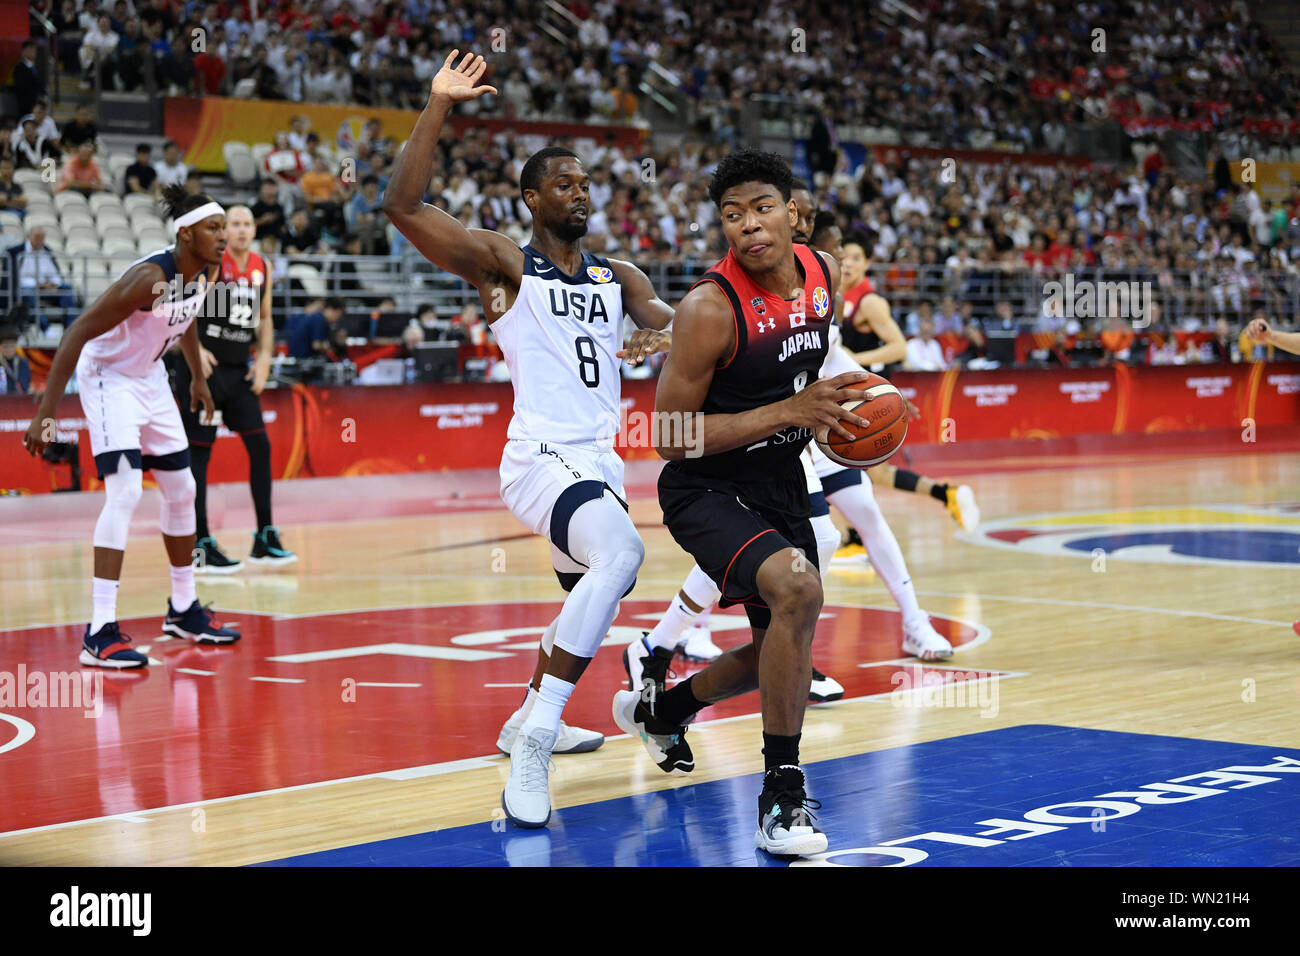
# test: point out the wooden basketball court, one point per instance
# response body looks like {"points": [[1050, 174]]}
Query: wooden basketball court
{"points": [[1150, 597]]}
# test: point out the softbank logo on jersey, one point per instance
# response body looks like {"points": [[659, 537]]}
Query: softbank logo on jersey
{"points": [[77, 909], [576, 304]]}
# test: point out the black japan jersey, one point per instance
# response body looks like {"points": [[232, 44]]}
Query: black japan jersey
{"points": [[780, 347], [228, 326]]}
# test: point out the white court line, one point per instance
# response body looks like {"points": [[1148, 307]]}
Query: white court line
{"points": [[281, 680], [407, 773], [980, 596], [192, 670], [525, 684], [375, 683]]}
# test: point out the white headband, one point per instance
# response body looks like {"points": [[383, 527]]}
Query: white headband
{"points": [[198, 215]]}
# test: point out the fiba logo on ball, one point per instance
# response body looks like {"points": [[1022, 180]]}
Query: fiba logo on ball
{"points": [[821, 302], [881, 405]]}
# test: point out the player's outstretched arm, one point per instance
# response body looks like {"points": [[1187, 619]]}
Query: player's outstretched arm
{"points": [[479, 256], [1258, 331], [873, 315], [139, 288], [704, 334], [640, 300]]}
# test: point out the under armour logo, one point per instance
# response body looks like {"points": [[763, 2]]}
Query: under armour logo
{"points": [[766, 326]]}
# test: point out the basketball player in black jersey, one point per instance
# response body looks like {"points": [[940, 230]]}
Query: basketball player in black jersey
{"points": [[860, 329], [748, 342], [236, 316]]}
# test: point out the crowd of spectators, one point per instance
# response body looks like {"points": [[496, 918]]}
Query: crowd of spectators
{"points": [[954, 72], [983, 237]]}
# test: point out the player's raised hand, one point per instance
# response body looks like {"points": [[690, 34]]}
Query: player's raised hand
{"points": [[1258, 331], [819, 404], [643, 343], [460, 83]]}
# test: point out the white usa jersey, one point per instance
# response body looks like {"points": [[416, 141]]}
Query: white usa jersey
{"points": [[135, 347], [837, 361], [559, 340]]}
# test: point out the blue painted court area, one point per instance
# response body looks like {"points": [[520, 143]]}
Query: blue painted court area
{"points": [[1022, 796]]}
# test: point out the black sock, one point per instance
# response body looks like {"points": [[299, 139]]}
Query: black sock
{"points": [[677, 704], [199, 457], [940, 492], [780, 751], [855, 538], [259, 475], [905, 480]]}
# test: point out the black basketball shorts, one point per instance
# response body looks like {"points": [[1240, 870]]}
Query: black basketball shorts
{"points": [[232, 395], [731, 527]]}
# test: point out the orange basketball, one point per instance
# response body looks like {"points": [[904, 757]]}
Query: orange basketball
{"points": [[886, 415]]}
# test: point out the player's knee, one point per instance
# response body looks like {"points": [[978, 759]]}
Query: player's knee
{"points": [[124, 489], [177, 487], [797, 596]]}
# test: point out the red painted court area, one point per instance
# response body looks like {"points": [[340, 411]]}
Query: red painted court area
{"points": [[308, 699]]}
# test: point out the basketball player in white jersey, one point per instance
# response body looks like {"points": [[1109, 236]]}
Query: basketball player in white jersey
{"points": [[557, 314], [828, 483], [116, 348]]}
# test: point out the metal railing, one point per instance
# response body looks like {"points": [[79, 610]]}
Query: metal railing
{"points": [[1182, 299]]}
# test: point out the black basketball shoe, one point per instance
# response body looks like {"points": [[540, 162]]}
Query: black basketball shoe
{"points": [[210, 559], [785, 820]]}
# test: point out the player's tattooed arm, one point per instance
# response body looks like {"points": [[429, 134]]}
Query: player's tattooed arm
{"points": [[139, 288], [489, 261], [704, 334], [872, 315]]}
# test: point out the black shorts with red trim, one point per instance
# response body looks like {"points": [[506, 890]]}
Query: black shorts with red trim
{"points": [[731, 527], [232, 395]]}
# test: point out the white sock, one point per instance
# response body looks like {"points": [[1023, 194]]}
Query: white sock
{"points": [[103, 594], [526, 707], [668, 631], [183, 588], [549, 706], [858, 505]]}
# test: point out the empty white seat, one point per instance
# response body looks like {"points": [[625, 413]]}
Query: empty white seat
{"points": [[69, 198], [77, 217], [44, 219], [134, 201], [81, 242], [101, 201], [118, 242], [309, 276], [241, 168], [259, 152], [8, 219], [112, 219]]}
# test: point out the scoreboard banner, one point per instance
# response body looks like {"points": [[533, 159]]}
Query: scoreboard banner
{"points": [[318, 431]]}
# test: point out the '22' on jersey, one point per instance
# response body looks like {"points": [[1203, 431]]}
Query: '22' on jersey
{"points": [[560, 340]]}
